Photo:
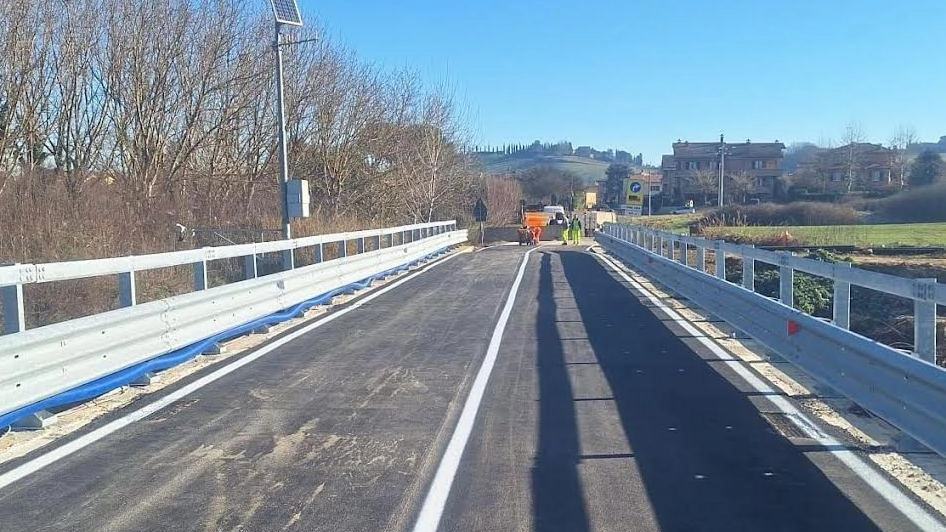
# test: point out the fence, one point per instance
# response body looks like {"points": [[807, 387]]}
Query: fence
{"points": [[908, 390], [44, 363]]}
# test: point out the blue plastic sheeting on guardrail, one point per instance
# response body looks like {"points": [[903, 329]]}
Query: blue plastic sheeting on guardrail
{"points": [[121, 378]]}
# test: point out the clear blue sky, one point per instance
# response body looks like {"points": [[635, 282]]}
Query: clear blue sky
{"points": [[639, 74]]}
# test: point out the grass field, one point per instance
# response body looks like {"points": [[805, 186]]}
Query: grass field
{"points": [[887, 235], [675, 223], [587, 169]]}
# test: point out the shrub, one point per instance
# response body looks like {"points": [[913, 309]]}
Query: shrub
{"points": [[926, 204], [812, 295], [799, 213]]}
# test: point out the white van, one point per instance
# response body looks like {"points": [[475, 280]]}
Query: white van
{"points": [[556, 214]]}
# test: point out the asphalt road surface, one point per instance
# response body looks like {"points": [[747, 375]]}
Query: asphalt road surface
{"points": [[597, 416]]}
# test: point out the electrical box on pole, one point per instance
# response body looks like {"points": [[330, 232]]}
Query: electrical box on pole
{"points": [[297, 198]]}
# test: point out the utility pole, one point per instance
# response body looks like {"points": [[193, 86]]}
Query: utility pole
{"points": [[283, 155], [722, 166], [650, 196]]}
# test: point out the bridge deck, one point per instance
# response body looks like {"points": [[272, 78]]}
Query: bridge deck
{"points": [[598, 416]]}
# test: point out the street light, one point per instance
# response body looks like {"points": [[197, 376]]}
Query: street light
{"points": [[722, 151], [285, 13]]}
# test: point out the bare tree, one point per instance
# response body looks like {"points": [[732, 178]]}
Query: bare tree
{"points": [[430, 164], [900, 141], [501, 195], [25, 85], [166, 109], [739, 185], [79, 137], [705, 181], [338, 115], [853, 136]]}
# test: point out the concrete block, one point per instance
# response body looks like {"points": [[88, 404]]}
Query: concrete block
{"points": [[145, 380], [37, 421], [216, 349]]}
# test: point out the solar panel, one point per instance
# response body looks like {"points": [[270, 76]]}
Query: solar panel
{"points": [[287, 12]]}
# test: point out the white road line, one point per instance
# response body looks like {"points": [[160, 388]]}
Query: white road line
{"points": [[887, 490], [432, 510], [67, 449]]}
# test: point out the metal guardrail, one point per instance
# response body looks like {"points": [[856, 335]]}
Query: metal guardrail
{"points": [[13, 277], [907, 391], [39, 363]]}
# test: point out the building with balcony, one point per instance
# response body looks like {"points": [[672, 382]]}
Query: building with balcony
{"points": [[752, 171]]}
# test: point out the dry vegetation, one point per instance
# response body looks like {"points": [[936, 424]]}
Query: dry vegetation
{"points": [[772, 214], [922, 204], [118, 121]]}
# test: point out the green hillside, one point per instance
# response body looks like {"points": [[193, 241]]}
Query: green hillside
{"points": [[587, 169]]}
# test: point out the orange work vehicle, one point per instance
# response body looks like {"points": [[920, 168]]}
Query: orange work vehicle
{"points": [[532, 224]]}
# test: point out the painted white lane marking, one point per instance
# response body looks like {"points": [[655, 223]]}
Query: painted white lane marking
{"points": [[920, 517], [432, 510], [67, 449]]}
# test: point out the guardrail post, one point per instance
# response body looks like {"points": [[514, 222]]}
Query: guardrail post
{"points": [[924, 319], [200, 275], [786, 280], [126, 289], [14, 313], [683, 253], [720, 258], [842, 298], [660, 245], [390, 240], [249, 267], [701, 258], [748, 271], [342, 248], [318, 254], [378, 242], [288, 260], [360, 245]]}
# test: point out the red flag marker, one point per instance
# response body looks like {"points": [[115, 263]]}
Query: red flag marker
{"points": [[793, 327]]}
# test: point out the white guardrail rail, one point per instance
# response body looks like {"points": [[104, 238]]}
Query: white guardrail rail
{"points": [[37, 364], [906, 389]]}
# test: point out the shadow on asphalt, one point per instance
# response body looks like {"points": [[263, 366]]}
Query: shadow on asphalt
{"points": [[557, 498], [707, 458]]}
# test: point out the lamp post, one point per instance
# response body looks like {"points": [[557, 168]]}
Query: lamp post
{"points": [[285, 13], [722, 151]]}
